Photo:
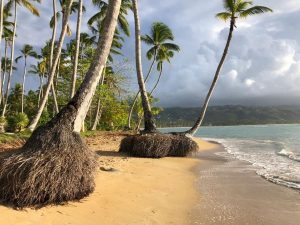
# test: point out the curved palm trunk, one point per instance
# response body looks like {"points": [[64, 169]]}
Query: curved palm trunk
{"points": [[53, 35], [12, 60], [23, 85], [85, 93], [76, 57], [98, 115], [138, 93], [41, 89], [99, 108], [148, 117], [199, 121], [56, 109], [1, 31], [158, 79], [66, 16], [4, 72], [52, 52]]}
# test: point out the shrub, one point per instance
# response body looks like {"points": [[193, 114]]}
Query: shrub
{"points": [[18, 122]]}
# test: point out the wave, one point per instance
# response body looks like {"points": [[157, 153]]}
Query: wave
{"points": [[289, 154], [268, 157]]}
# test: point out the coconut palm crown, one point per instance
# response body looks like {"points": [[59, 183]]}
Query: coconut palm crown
{"points": [[240, 9]]}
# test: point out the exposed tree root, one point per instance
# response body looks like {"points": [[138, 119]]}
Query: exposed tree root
{"points": [[53, 167], [158, 145]]}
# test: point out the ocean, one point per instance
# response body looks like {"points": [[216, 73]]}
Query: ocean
{"points": [[273, 150]]}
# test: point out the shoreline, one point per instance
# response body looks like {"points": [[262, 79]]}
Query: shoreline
{"points": [[201, 189], [232, 193], [136, 191]]}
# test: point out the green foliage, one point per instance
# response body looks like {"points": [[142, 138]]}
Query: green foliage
{"points": [[240, 9], [18, 122]]}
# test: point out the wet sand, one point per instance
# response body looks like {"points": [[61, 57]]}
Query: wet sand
{"points": [[232, 193]]}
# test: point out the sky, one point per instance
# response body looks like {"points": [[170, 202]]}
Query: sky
{"points": [[262, 67]]}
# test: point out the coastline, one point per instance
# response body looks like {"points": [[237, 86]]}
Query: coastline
{"points": [[135, 191], [232, 193], [203, 189]]}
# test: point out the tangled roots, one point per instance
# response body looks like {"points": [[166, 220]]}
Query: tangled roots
{"points": [[53, 167], [158, 145]]}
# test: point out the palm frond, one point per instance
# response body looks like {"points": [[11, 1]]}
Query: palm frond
{"points": [[223, 16], [254, 11]]}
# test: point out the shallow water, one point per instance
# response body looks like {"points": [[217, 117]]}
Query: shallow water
{"points": [[273, 150]]}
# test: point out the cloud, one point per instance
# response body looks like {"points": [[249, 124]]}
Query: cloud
{"points": [[263, 64]]}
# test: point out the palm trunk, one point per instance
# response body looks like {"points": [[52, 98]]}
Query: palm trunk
{"points": [[155, 86], [138, 125], [53, 35], [97, 115], [12, 60], [85, 93], [199, 121], [4, 72], [99, 107], [56, 109], [137, 95], [1, 31], [66, 16], [52, 52], [77, 49], [41, 89], [23, 85], [148, 117]]}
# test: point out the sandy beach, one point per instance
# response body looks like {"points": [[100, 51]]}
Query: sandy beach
{"points": [[206, 189], [136, 191]]}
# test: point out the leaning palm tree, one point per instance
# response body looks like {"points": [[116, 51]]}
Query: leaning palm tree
{"points": [[55, 165], [14, 4], [159, 40], [149, 123], [77, 48], [27, 51], [6, 35], [235, 9], [67, 7]]}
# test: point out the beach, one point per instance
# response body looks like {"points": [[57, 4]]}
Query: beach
{"points": [[206, 189], [136, 191], [232, 193]]}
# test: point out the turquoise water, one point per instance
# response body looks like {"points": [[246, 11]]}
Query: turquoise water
{"points": [[273, 150]]}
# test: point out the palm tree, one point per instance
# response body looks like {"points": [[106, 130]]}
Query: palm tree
{"points": [[122, 21], [76, 57], [27, 51], [66, 14], [39, 70], [235, 9], [58, 145], [53, 24], [163, 55], [14, 3], [159, 40], [149, 123], [6, 35]]}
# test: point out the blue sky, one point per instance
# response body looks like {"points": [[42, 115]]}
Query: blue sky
{"points": [[262, 68]]}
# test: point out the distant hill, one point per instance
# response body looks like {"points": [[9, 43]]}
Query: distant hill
{"points": [[230, 115]]}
